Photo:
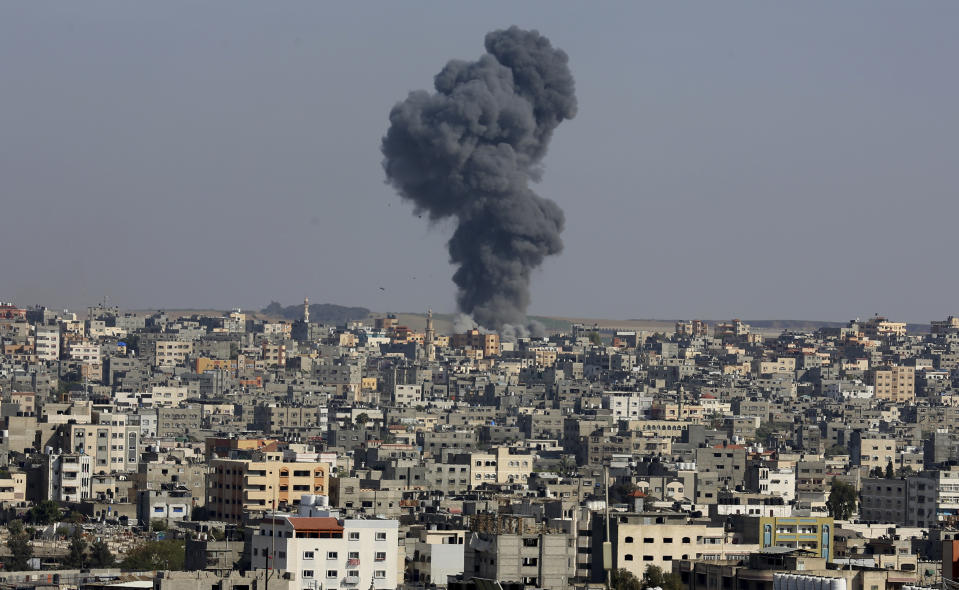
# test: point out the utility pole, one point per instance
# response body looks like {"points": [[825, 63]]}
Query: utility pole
{"points": [[607, 545]]}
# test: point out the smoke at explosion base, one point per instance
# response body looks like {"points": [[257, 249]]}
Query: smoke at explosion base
{"points": [[469, 150]]}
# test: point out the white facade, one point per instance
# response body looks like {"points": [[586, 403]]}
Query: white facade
{"points": [[68, 477], [317, 549], [47, 343], [627, 407], [777, 482]]}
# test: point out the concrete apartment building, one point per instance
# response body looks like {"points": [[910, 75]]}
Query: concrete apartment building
{"points": [[894, 383], [474, 339], [883, 500], [47, 343], [436, 555], [275, 418], [932, 496], [779, 482], [13, 489], [317, 549], [500, 466], [178, 421], [872, 451], [539, 559], [112, 444], [239, 485], [813, 534], [172, 353], [173, 471], [66, 477], [169, 504], [657, 538]]}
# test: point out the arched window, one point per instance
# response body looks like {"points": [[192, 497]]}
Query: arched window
{"points": [[628, 557], [628, 540]]}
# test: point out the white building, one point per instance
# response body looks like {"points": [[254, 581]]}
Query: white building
{"points": [[626, 406], [839, 389], [68, 476], [437, 555], [779, 482], [47, 343], [316, 549]]}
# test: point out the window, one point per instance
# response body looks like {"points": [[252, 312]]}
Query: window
{"points": [[628, 540], [353, 555], [380, 556], [628, 557], [380, 536], [331, 555], [330, 573], [307, 555], [307, 573], [379, 574], [353, 573], [354, 536], [647, 558]]}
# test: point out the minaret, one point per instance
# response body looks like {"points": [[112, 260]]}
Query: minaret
{"points": [[306, 310], [430, 336]]}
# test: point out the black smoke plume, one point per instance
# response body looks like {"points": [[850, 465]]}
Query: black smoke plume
{"points": [[469, 151]]}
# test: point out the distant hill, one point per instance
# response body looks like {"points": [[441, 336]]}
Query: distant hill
{"points": [[326, 313]]}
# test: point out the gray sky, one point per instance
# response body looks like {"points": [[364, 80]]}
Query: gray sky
{"points": [[748, 159]]}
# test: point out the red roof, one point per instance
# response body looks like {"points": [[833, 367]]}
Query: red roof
{"points": [[708, 396], [315, 523]]}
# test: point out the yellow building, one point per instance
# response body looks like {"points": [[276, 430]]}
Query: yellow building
{"points": [[14, 488], [499, 466], [476, 340], [238, 485], [658, 539], [810, 533], [895, 383]]}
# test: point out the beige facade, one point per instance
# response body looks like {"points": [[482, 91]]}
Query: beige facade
{"points": [[237, 485], [499, 466], [641, 542], [112, 444], [895, 383], [172, 353], [14, 488]]}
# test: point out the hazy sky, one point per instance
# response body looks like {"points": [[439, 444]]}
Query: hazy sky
{"points": [[748, 159]]}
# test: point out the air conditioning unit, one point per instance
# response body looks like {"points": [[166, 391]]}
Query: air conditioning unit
{"points": [[289, 576]]}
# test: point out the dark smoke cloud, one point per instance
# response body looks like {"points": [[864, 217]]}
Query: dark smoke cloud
{"points": [[469, 151]]}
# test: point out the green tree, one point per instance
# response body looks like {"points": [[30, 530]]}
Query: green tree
{"points": [[768, 429], [890, 471], [654, 577], [100, 555], [78, 550], [19, 546], [623, 579], [158, 525], [595, 339], [362, 419], [836, 450], [842, 500], [168, 554], [46, 512]]}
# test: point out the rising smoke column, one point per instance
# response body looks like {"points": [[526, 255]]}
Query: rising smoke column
{"points": [[469, 151]]}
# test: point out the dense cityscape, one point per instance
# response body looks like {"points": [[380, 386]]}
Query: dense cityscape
{"points": [[252, 450]]}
